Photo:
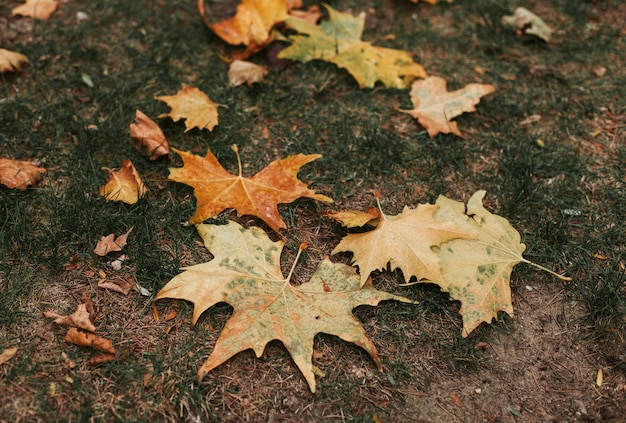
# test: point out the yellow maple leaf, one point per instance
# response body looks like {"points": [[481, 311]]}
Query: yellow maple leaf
{"points": [[123, 185], [338, 40], [435, 106], [216, 189], [11, 61], [36, 9], [246, 273], [404, 241], [194, 106]]}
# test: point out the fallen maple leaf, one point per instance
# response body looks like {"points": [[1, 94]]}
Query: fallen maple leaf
{"points": [[147, 137], [36, 9], [404, 241], [526, 22], [245, 272], [109, 243], [7, 354], [194, 106], [216, 189], [11, 61], [435, 106], [251, 25], [84, 339], [79, 319], [338, 40], [123, 185], [241, 72], [19, 173]]}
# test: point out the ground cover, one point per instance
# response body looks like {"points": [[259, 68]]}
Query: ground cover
{"points": [[547, 145]]}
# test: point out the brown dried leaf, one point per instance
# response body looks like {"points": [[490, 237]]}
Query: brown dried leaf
{"points": [[79, 319], [122, 286], [11, 61], [7, 354], [36, 9], [123, 185], [146, 136], [84, 339], [241, 72], [19, 173], [109, 243]]}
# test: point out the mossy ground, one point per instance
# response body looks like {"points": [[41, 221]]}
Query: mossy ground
{"points": [[548, 146]]}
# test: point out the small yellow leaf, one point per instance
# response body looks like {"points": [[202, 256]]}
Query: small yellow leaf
{"points": [[599, 378], [124, 185], [7, 354], [11, 61], [36, 9], [194, 106]]}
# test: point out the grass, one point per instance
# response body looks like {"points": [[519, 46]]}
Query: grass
{"points": [[566, 199]]}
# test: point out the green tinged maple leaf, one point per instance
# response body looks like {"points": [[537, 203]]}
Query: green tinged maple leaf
{"points": [[338, 40], [245, 273]]}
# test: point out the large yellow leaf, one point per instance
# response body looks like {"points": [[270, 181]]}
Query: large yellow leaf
{"points": [[404, 241], [216, 189], [338, 41], [194, 106], [477, 271], [245, 273], [435, 106]]}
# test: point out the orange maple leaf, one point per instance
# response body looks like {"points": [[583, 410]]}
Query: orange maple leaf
{"points": [[194, 106], [19, 173], [251, 25], [435, 106], [216, 189]]}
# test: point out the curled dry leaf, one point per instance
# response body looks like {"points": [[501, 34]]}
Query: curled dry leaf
{"points": [[109, 243], [146, 136], [123, 185], [241, 72], [123, 286], [79, 319], [528, 23], [194, 106], [435, 106], [7, 354], [36, 9], [19, 173], [11, 61], [84, 339]]}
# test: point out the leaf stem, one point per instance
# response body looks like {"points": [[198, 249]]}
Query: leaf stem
{"points": [[540, 267], [303, 246], [236, 150]]}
